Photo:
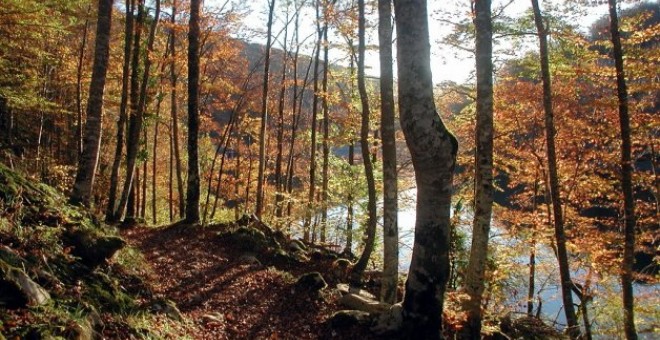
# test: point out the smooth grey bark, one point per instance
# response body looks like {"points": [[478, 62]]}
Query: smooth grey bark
{"points": [[259, 207], [433, 151], [483, 171], [390, 193], [550, 132], [370, 231], [193, 183], [626, 178], [84, 183], [123, 115]]}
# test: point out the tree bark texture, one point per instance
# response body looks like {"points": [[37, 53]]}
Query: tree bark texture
{"points": [[84, 183], [370, 231], [123, 116], [131, 143], [626, 178], [174, 111], [433, 151], [312, 158], [483, 172], [326, 132], [550, 132], [390, 192], [264, 116]]}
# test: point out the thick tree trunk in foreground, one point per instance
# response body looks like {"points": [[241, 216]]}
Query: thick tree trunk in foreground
{"points": [[82, 187], [550, 131], [483, 172], [193, 190], [433, 150], [370, 232], [390, 192], [626, 179]]}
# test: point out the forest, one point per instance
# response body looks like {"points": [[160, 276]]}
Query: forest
{"points": [[329, 169]]}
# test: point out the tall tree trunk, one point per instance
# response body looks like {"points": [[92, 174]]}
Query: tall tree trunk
{"points": [[170, 186], [351, 160], [349, 213], [626, 178], [123, 116], [193, 190], [145, 176], [237, 178], [137, 118], [390, 207], [154, 167], [370, 232], [264, 115], [297, 101], [137, 182], [131, 144], [279, 158], [433, 151], [312, 157], [483, 171], [326, 131], [84, 183], [175, 115], [79, 76], [550, 131]]}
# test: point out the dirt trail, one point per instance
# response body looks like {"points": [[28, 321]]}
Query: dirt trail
{"points": [[226, 298]]}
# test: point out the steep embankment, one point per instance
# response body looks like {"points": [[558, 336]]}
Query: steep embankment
{"points": [[55, 277]]}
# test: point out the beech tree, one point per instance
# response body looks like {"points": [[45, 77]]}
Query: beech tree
{"points": [[174, 112], [558, 217], [433, 151], [264, 114], [390, 192], [315, 101], [123, 115], [626, 178], [370, 231], [84, 183], [483, 168]]}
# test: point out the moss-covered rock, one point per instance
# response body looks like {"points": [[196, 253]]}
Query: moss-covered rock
{"points": [[247, 239], [312, 281], [349, 318], [52, 270], [18, 290], [92, 248]]}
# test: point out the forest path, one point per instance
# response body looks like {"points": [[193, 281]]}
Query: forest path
{"points": [[222, 296]]}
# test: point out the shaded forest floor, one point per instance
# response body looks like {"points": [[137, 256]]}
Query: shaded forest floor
{"points": [[224, 293]]}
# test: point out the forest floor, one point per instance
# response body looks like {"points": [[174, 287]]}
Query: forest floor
{"points": [[224, 294]]}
